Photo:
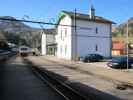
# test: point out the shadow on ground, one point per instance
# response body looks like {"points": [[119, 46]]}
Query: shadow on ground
{"points": [[83, 89]]}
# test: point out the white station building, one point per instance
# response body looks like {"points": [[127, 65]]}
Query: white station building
{"points": [[92, 34]]}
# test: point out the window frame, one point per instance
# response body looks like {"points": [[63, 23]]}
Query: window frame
{"points": [[96, 47], [61, 33], [65, 32], [96, 30], [65, 49]]}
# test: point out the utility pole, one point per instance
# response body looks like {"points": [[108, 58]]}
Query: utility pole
{"points": [[127, 36], [75, 29]]}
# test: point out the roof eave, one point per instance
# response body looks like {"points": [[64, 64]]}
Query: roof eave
{"points": [[61, 15], [64, 13]]}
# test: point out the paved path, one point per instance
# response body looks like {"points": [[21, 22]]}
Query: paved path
{"points": [[17, 82], [104, 89], [97, 69]]}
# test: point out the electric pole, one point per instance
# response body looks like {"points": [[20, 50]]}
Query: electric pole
{"points": [[127, 36]]}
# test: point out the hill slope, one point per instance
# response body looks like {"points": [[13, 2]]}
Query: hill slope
{"points": [[19, 33], [121, 29]]}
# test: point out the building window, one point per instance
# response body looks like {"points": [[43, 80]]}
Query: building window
{"points": [[96, 47], [65, 49], [65, 32], [96, 30], [61, 49], [61, 33]]}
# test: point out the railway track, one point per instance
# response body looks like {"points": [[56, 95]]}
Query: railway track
{"points": [[61, 88]]}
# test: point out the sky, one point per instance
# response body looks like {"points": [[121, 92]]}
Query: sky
{"points": [[47, 10]]}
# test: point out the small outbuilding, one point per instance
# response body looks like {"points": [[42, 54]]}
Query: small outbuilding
{"points": [[48, 45]]}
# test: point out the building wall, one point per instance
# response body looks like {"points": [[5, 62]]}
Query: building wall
{"points": [[92, 37], [44, 49], [50, 38], [85, 39], [46, 40], [63, 39]]}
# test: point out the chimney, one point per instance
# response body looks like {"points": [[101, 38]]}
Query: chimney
{"points": [[92, 12]]}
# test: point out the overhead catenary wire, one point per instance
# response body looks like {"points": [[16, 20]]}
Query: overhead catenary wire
{"points": [[41, 23], [35, 22], [46, 23]]}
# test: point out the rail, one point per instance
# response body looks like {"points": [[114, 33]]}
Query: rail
{"points": [[61, 88]]}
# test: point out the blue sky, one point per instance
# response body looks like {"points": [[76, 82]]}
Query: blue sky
{"points": [[48, 10]]}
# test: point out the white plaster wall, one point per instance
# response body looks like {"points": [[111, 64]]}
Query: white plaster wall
{"points": [[43, 44], [50, 38], [46, 40], [65, 40], [88, 45], [103, 29], [87, 39]]}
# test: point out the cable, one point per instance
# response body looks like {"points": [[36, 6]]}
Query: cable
{"points": [[41, 25], [40, 22]]}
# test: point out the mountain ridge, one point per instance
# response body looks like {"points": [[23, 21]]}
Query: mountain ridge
{"points": [[19, 33], [121, 29]]}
